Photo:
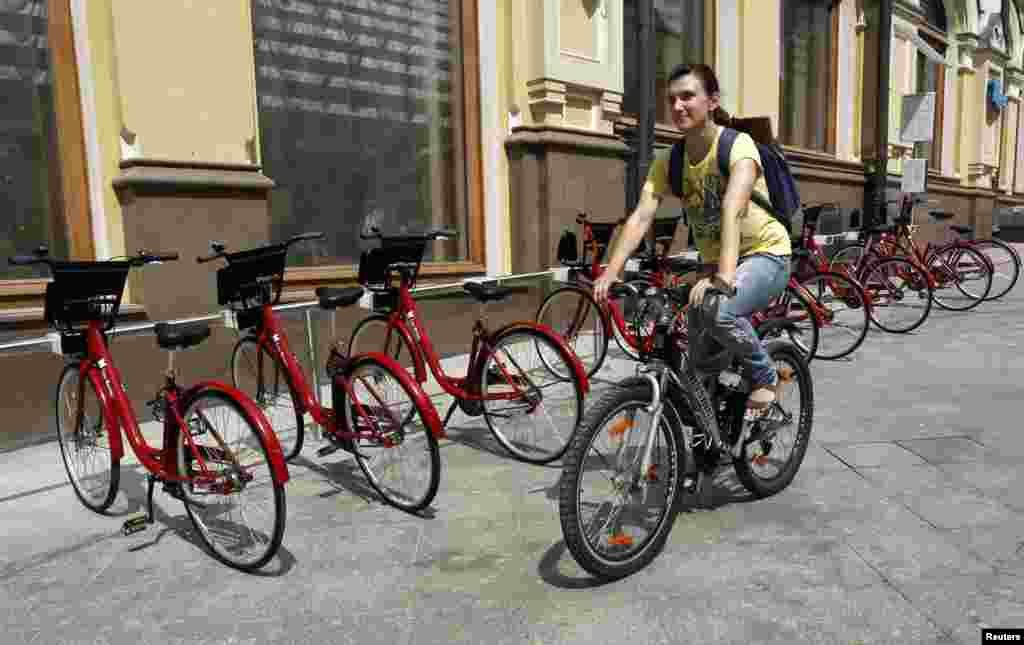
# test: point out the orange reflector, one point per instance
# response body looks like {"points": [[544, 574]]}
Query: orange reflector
{"points": [[786, 374], [759, 460], [652, 473], [620, 427], [620, 540]]}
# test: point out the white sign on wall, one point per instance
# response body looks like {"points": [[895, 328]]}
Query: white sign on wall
{"points": [[915, 173], [918, 118]]}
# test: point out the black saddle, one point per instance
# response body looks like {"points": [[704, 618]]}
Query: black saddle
{"points": [[181, 336], [962, 230], [485, 293], [941, 215], [331, 298]]}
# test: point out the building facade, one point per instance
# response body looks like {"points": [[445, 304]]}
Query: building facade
{"points": [[165, 125]]}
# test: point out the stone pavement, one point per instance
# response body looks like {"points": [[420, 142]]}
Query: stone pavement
{"points": [[903, 526]]}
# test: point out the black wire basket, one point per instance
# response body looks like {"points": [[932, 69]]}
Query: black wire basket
{"points": [[379, 267], [252, 278], [85, 291]]}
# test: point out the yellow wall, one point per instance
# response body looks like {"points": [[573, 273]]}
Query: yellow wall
{"points": [[759, 42], [185, 73]]}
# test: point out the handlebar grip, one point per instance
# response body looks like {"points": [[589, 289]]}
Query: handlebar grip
{"points": [[308, 236], [163, 257], [445, 233], [581, 217], [20, 260], [623, 289], [207, 258], [374, 234]]}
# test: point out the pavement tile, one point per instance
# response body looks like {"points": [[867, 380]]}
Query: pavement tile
{"points": [[873, 455], [998, 479], [944, 450], [965, 604], [1001, 545]]}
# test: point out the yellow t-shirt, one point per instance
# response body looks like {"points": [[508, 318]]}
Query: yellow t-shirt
{"points": [[703, 191]]}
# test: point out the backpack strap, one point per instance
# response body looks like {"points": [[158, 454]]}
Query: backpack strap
{"points": [[676, 159], [725, 141]]}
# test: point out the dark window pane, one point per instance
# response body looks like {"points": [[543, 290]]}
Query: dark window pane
{"points": [[30, 188], [360, 113], [806, 73], [679, 38], [934, 14]]}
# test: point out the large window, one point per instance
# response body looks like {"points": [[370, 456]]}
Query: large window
{"points": [[31, 193], [679, 38], [364, 114], [807, 112]]}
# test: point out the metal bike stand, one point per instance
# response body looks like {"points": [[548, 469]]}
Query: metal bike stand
{"points": [[314, 375]]}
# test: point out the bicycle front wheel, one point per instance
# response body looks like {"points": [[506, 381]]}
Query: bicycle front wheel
{"points": [[230, 491], [395, 447], [265, 380], [1005, 264], [572, 313], [899, 294], [531, 409], [615, 515], [962, 276], [843, 314], [85, 446]]}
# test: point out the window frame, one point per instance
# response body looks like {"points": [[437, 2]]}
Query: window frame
{"points": [[831, 108], [940, 43], [76, 211], [299, 282]]}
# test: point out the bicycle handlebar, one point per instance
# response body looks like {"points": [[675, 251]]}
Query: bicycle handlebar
{"points": [[437, 234], [581, 218], [220, 249], [42, 256]]}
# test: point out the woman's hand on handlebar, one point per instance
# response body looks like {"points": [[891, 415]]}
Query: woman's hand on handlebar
{"points": [[716, 282], [603, 284]]}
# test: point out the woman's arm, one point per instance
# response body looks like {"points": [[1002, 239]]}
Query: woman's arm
{"points": [[632, 232], [737, 198]]}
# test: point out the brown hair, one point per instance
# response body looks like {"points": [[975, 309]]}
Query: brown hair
{"points": [[708, 80]]}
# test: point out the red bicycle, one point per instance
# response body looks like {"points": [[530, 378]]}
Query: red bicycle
{"points": [[379, 413], [572, 311], [522, 378], [219, 455]]}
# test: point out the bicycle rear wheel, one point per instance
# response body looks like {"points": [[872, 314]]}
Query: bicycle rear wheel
{"points": [[845, 317], [231, 493], [791, 316], [572, 313], [1005, 266], [396, 450], [531, 409], [962, 276], [90, 465], [899, 294], [264, 379], [616, 519]]}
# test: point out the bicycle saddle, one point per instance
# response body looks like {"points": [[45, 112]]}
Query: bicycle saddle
{"points": [[962, 230], [486, 294], [941, 215], [331, 298], [181, 336]]}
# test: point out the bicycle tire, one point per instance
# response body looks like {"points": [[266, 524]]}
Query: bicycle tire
{"points": [[956, 251], [762, 487], [633, 393], [568, 329], [363, 447], [105, 491], [918, 283], [850, 256], [852, 294], [1013, 266], [489, 369], [217, 450], [620, 339], [248, 376]]}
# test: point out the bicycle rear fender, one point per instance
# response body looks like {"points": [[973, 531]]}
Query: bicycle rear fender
{"points": [[422, 401], [274, 451], [559, 342]]}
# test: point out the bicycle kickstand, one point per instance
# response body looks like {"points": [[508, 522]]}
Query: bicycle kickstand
{"points": [[140, 522], [448, 415]]}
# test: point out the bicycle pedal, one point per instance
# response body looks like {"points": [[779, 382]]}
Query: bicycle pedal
{"points": [[135, 524]]}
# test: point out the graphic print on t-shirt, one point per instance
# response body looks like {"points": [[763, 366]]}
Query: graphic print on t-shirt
{"points": [[704, 207]]}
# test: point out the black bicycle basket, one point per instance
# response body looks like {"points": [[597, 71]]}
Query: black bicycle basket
{"points": [[84, 291], [252, 278]]}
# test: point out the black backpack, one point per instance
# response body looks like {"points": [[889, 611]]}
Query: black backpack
{"points": [[783, 199]]}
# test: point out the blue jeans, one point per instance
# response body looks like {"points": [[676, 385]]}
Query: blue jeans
{"points": [[759, 278]]}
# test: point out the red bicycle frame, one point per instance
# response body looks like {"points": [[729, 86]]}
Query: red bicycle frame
{"points": [[99, 368], [273, 338]]}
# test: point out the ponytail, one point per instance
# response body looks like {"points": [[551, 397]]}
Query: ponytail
{"points": [[721, 117]]}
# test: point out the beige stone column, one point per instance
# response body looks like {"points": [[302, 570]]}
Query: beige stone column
{"points": [[967, 133], [1008, 148]]}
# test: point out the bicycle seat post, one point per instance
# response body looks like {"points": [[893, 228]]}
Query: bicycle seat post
{"points": [[170, 374]]}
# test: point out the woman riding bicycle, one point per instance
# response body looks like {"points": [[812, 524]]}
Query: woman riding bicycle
{"points": [[751, 246]]}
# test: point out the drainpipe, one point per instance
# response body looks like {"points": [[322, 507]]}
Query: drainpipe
{"points": [[642, 141], [874, 193]]}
